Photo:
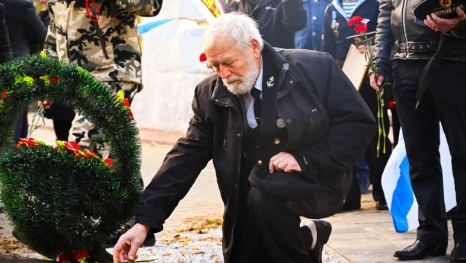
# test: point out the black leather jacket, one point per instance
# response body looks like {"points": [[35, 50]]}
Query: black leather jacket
{"points": [[398, 27]]}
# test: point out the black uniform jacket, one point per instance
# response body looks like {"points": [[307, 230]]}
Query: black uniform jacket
{"points": [[327, 122]]}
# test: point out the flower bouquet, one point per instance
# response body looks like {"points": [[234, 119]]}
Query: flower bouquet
{"points": [[360, 27]]}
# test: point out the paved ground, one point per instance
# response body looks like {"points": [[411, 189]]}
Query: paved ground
{"points": [[363, 236]]}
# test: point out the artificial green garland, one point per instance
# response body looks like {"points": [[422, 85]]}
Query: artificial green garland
{"points": [[59, 200]]}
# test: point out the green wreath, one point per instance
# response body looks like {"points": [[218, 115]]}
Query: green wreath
{"points": [[59, 199]]}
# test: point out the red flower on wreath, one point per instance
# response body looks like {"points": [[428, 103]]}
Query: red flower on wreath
{"points": [[28, 142], [72, 146], [128, 106], [354, 20], [4, 94], [77, 256], [108, 162], [54, 79], [361, 28]]}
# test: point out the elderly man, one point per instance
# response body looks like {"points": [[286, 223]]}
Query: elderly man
{"points": [[282, 127]]}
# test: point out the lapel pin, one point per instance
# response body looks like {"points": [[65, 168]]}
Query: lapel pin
{"points": [[270, 82]]}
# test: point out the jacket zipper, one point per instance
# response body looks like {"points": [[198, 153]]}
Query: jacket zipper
{"points": [[405, 5]]}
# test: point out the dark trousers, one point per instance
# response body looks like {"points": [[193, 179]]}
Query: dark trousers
{"points": [[62, 129], [353, 199], [21, 127], [268, 231], [444, 100]]}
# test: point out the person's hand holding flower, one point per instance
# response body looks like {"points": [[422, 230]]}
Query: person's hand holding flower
{"points": [[360, 27]]}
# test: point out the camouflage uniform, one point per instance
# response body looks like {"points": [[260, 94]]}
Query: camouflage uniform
{"points": [[105, 45]]}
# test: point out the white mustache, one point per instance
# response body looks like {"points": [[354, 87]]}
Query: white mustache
{"points": [[231, 79]]}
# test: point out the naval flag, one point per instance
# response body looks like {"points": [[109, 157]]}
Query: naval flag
{"points": [[397, 188]]}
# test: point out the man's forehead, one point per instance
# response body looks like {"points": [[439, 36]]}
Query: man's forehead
{"points": [[220, 43], [220, 50]]}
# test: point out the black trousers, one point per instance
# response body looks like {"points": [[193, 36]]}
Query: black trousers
{"points": [[268, 231], [62, 129], [444, 100], [21, 127]]}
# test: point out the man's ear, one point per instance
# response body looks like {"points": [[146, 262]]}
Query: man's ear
{"points": [[256, 49]]}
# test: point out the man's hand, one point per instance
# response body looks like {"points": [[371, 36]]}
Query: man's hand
{"points": [[443, 24], [376, 81], [47, 104], [284, 162], [128, 244]]}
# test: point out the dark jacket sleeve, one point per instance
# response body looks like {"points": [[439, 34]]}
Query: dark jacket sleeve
{"points": [[329, 44], [179, 171], [35, 29], [294, 17], [352, 126], [384, 37], [5, 50]]}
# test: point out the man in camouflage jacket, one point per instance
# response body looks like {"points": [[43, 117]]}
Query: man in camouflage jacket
{"points": [[101, 37]]}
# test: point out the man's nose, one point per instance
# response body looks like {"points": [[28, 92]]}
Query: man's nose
{"points": [[224, 73]]}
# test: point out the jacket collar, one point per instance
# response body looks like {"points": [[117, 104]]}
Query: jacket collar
{"points": [[222, 96]]}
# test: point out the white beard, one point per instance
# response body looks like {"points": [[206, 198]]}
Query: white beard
{"points": [[246, 83]]}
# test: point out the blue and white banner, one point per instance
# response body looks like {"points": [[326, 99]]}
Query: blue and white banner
{"points": [[397, 188], [174, 28]]}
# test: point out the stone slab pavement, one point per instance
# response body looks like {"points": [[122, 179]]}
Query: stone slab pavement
{"points": [[363, 236]]}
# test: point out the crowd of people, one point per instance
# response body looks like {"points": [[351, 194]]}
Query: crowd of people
{"points": [[288, 133]]}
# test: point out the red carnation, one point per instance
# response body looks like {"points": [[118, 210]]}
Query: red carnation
{"points": [[202, 57], [54, 79], [392, 105], [361, 28], [354, 20]]}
